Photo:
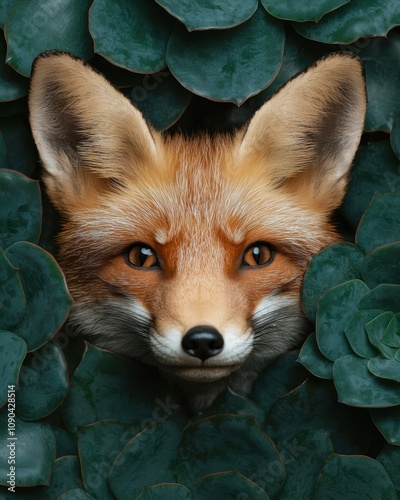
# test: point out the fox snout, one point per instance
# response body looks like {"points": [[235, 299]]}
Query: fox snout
{"points": [[202, 342]]}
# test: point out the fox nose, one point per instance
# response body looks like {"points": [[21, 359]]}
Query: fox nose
{"points": [[203, 342]]}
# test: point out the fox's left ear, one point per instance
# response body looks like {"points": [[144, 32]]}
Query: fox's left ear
{"points": [[306, 135]]}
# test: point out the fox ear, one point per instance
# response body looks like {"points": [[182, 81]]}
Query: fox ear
{"points": [[305, 136], [86, 131]]}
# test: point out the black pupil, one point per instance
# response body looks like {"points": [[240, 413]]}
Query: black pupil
{"points": [[144, 254], [257, 255]]}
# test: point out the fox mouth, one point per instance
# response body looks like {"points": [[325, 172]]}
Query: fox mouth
{"points": [[200, 373]]}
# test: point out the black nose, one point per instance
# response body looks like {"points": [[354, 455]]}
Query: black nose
{"points": [[203, 342]]}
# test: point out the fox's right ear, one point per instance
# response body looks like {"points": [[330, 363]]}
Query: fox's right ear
{"points": [[86, 131]]}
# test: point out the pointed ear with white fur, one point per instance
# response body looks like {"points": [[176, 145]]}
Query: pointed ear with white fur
{"points": [[306, 135], [86, 131]]}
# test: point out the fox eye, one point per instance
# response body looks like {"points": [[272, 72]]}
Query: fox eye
{"points": [[140, 255], [257, 254]]}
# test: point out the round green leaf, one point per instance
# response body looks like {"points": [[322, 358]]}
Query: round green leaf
{"points": [[388, 422], [302, 11], [35, 450], [12, 355], [391, 337], [53, 24], [165, 491], [375, 169], [385, 368], [380, 223], [357, 335], [335, 264], [21, 209], [228, 65], [345, 477], [231, 442], [335, 310], [389, 457], [12, 85], [21, 150], [43, 383], [6, 7], [380, 57], [227, 485], [395, 136], [376, 328], [149, 458], [99, 444], [47, 299], [230, 402], [384, 297], [310, 356], [382, 266], [12, 298], [75, 494], [359, 18], [132, 35], [356, 386], [210, 14]]}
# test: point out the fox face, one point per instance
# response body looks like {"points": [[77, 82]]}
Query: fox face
{"points": [[188, 253]]}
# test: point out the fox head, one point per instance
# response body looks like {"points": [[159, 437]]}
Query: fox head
{"points": [[189, 253]]}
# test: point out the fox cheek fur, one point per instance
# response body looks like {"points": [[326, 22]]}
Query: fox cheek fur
{"points": [[188, 253]]}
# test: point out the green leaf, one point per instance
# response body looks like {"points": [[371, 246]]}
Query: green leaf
{"points": [[281, 377], [132, 35], [359, 18], [382, 266], [12, 298], [380, 223], [35, 450], [345, 477], [395, 136], [387, 421], [332, 266], [43, 383], [102, 388], [357, 335], [12, 85], [230, 442], [384, 297], [227, 485], [53, 24], [385, 368], [335, 310], [75, 494], [210, 14], [356, 386], [376, 328], [389, 457], [6, 7], [47, 299], [228, 65], [310, 356], [21, 150], [12, 354], [391, 337], [230, 402], [21, 209], [375, 169], [165, 491], [302, 11], [66, 443], [99, 444], [149, 458]]}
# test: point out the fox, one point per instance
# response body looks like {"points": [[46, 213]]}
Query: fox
{"points": [[187, 252]]}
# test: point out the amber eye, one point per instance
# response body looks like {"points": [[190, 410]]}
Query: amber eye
{"points": [[257, 254], [141, 255]]}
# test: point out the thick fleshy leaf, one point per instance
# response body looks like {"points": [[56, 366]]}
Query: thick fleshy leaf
{"points": [[35, 450], [138, 465], [209, 14], [385, 368], [375, 170], [227, 485], [99, 444], [66, 443], [385, 297], [21, 150], [389, 457], [206, 449], [132, 35], [310, 356], [302, 11], [102, 388], [12, 354], [230, 402], [228, 65], [165, 491], [53, 24], [380, 57], [6, 7], [380, 224], [345, 477], [395, 136], [43, 382], [332, 266], [21, 209], [335, 310], [12, 298], [391, 337], [388, 422], [376, 328], [359, 18], [281, 377], [75, 494], [382, 266], [47, 299], [356, 386], [12, 85], [357, 335]]}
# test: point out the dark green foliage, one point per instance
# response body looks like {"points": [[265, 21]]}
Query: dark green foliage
{"points": [[103, 427]]}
